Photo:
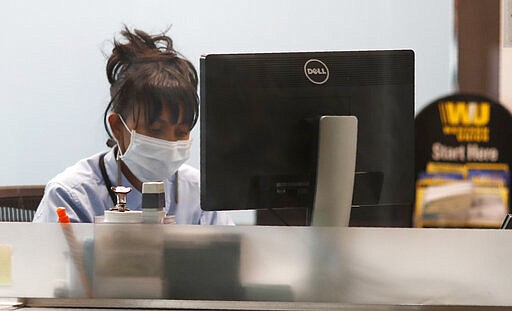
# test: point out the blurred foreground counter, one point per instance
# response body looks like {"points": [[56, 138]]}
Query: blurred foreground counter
{"points": [[254, 267]]}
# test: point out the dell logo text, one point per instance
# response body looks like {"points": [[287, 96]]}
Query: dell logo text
{"points": [[316, 71]]}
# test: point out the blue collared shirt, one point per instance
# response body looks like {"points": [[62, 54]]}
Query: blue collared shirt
{"points": [[81, 189]]}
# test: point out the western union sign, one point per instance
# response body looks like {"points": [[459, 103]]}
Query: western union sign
{"points": [[467, 121]]}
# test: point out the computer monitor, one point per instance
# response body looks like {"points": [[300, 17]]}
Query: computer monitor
{"points": [[259, 129]]}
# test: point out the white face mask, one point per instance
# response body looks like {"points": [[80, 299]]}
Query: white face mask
{"points": [[154, 159]]}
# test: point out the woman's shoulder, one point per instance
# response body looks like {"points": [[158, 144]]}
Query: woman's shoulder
{"points": [[86, 169]]}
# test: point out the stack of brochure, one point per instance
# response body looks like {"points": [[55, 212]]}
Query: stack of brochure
{"points": [[462, 195]]}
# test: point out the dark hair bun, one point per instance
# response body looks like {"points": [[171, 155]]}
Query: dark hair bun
{"points": [[139, 47]]}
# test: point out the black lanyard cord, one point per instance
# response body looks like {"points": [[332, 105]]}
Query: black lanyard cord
{"points": [[108, 184]]}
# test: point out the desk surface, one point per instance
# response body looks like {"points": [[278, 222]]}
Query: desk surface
{"points": [[124, 304]]}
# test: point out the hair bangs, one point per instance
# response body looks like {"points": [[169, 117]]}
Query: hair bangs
{"points": [[182, 103]]}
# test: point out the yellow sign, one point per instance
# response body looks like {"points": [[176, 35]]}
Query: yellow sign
{"points": [[467, 121]]}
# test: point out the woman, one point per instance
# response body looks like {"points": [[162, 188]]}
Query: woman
{"points": [[154, 106]]}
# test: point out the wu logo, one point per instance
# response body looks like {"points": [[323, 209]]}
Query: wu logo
{"points": [[465, 113], [467, 121]]}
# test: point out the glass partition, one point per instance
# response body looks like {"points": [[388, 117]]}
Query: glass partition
{"points": [[281, 264]]}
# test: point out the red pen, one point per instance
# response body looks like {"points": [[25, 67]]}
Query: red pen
{"points": [[75, 250], [63, 217]]}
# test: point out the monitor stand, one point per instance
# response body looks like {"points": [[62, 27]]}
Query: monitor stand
{"points": [[335, 171]]}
